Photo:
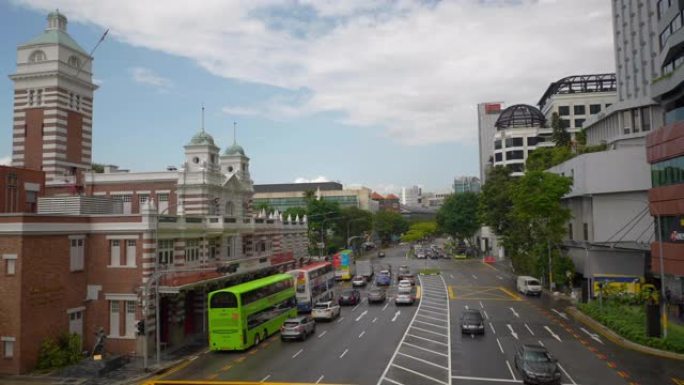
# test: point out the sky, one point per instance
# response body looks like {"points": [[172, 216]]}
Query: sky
{"points": [[375, 93]]}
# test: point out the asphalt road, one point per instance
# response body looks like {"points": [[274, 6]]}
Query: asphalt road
{"points": [[422, 344]]}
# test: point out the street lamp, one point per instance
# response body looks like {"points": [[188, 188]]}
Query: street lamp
{"points": [[323, 232], [308, 226], [348, 226]]}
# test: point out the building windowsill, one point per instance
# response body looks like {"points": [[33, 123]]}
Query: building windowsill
{"points": [[121, 337], [121, 267]]}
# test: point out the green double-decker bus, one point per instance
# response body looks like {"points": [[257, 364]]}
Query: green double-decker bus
{"points": [[246, 314]]}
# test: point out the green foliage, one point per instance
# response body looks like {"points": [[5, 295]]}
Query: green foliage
{"points": [[419, 230], [97, 168], [495, 200], [59, 352], [429, 271], [387, 224], [596, 148], [544, 158], [629, 321], [294, 212], [263, 206], [560, 136], [581, 137], [458, 216]]}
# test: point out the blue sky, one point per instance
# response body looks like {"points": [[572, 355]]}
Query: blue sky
{"points": [[381, 94]]}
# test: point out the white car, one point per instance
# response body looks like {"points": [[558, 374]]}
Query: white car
{"points": [[404, 299], [359, 281], [404, 286], [327, 310]]}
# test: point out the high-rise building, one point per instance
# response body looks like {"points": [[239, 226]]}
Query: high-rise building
{"points": [[411, 196], [466, 183], [520, 129], [487, 114]]}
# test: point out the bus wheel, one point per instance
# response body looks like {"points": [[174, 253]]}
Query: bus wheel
{"points": [[265, 334], [257, 339]]}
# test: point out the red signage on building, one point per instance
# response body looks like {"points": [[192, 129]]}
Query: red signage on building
{"points": [[492, 108]]}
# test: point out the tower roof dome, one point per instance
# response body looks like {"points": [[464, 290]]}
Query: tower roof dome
{"points": [[520, 115], [235, 149], [202, 138]]}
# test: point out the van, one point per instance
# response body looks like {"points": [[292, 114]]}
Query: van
{"points": [[529, 285]]}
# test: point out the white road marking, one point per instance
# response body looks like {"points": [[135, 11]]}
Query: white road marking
{"points": [[513, 333], [432, 307], [322, 334], [500, 277], [474, 276], [428, 331], [425, 349], [362, 333], [554, 335], [344, 352], [392, 381], [424, 361], [566, 374], [396, 315], [435, 312], [426, 339], [515, 313], [296, 354], [593, 336], [431, 324], [451, 275], [488, 379], [361, 316], [355, 307], [492, 326], [485, 313], [265, 378], [481, 305], [387, 304], [529, 330], [466, 307], [500, 347], [428, 317], [540, 343], [374, 319], [420, 374], [511, 370], [560, 314], [340, 320], [320, 379]]}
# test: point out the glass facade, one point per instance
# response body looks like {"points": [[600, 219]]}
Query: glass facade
{"points": [[282, 204], [668, 172]]}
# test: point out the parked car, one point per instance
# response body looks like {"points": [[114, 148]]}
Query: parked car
{"points": [[529, 285], [404, 299], [404, 286], [327, 310], [298, 328], [472, 322], [537, 366], [383, 278], [349, 297], [359, 281], [377, 295]]}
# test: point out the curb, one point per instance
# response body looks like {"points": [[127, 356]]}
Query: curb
{"points": [[617, 339]]}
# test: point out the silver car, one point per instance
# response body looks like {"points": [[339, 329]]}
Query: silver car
{"points": [[297, 328], [404, 299], [327, 310]]}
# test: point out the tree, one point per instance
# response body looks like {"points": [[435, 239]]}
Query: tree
{"points": [[495, 200], [544, 158], [97, 168], [560, 136], [458, 216], [294, 212], [263, 206], [321, 217], [419, 230], [388, 224]]}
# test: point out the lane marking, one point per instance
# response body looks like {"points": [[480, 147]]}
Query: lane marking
{"points": [[560, 314], [485, 313], [528, 329], [554, 335], [361, 316], [466, 307], [513, 333], [432, 311], [474, 276], [428, 317], [362, 333], [481, 305], [424, 361], [566, 374], [420, 374], [340, 320], [428, 331], [322, 334], [500, 347], [344, 352], [500, 277], [511, 370], [265, 378], [396, 315], [431, 324], [515, 313], [488, 379], [432, 307], [374, 319], [226, 368], [212, 376], [392, 381], [320, 379], [540, 343], [492, 326], [385, 307], [593, 336], [426, 339], [357, 305], [296, 354], [425, 349], [451, 275]]}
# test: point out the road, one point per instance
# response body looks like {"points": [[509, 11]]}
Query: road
{"points": [[422, 344]]}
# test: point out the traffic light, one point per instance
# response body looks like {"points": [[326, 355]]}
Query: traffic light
{"points": [[140, 326]]}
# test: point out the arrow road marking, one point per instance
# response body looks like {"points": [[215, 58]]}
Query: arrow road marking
{"points": [[560, 314], [361, 316], [515, 313], [593, 336], [396, 315], [513, 333], [554, 335], [529, 330]]}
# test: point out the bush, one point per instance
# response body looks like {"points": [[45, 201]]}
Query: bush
{"points": [[63, 351]]}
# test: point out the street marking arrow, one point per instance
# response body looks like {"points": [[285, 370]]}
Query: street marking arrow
{"points": [[513, 333], [361, 316], [560, 314], [554, 335], [514, 312], [593, 336], [396, 315]]}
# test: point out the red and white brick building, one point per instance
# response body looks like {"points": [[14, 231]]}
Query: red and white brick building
{"points": [[102, 244]]}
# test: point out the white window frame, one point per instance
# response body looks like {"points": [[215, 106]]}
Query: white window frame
{"points": [[10, 264], [114, 318], [114, 253], [77, 252], [131, 252], [165, 251], [130, 311], [7, 346], [192, 250]]}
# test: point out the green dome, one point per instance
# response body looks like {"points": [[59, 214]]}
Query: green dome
{"points": [[202, 138], [235, 149]]}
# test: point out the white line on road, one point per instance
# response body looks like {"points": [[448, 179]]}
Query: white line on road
{"points": [[424, 361], [320, 379], [296, 354], [492, 326], [426, 339], [265, 378], [428, 317], [529, 330], [500, 347], [481, 305], [392, 381], [374, 319], [500, 277], [566, 374], [322, 334], [488, 379], [428, 331], [344, 352], [432, 311], [451, 276], [474, 276], [355, 307], [554, 335], [420, 374], [387, 304], [540, 343], [361, 316], [513, 333], [593, 336], [432, 307], [425, 349], [431, 324], [396, 315], [466, 307], [560, 314], [486, 315], [362, 333], [511, 370], [515, 313], [340, 320]]}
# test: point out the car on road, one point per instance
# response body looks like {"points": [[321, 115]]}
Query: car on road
{"points": [[404, 299], [349, 297], [384, 278], [298, 328], [472, 322], [377, 295], [326, 310], [404, 286], [537, 366], [405, 274], [528, 285], [359, 281]]}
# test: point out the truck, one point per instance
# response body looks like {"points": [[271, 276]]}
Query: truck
{"points": [[364, 269]]}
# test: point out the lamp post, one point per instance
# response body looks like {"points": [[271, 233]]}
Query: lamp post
{"points": [[323, 232], [308, 225], [349, 222]]}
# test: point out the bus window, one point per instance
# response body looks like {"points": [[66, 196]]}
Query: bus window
{"points": [[222, 300]]}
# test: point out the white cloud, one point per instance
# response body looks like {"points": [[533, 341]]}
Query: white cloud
{"points": [[149, 77], [414, 69], [318, 179], [6, 160], [240, 111]]}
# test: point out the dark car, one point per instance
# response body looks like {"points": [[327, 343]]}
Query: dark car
{"points": [[297, 328], [377, 295], [537, 366], [349, 297], [472, 322]]}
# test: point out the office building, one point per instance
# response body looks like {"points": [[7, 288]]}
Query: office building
{"points": [[466, 183], [283, 196], [487, 115]]}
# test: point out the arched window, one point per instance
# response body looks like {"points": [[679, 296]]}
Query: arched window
{"points": [[74, 61], [230, 208], [37, 56]]}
